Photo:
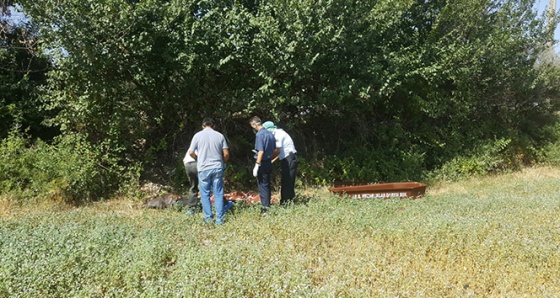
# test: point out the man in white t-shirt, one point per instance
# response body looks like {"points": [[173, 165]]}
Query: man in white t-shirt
{"points": [[289, 159], [192, 175]]}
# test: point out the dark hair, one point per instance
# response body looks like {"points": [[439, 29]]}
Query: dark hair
{"points": [[208, 122], [255, 120]]}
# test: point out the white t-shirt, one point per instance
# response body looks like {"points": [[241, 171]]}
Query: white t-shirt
{"points": [[284, 142], [188, 158]]}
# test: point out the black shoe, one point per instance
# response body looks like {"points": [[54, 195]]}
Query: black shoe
{"points": [[286, 203]]}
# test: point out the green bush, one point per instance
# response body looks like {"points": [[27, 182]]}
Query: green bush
{"points": [[549, 153], [364, 165], [485, 159], [17, 174], [69, 169]]}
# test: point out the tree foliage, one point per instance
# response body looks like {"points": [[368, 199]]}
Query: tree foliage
{"points": [[22, 73], [380, 84]]}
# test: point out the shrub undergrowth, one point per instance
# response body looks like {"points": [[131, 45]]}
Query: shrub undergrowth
{"points": [[69, 169]]}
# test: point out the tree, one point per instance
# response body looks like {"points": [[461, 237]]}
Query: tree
{"points": [[22, 73], [377, 84]]}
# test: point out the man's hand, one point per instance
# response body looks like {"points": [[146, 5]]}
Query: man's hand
{"points": [[256, 169]]}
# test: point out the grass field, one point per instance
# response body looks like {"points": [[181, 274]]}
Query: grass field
{"points": [[486, 237]]}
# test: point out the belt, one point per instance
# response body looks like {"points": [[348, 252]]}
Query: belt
{"points": [[289, 154]]}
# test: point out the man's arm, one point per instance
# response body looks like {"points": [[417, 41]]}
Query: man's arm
{"points": [[193, 146], [275, 154], [225, 154], [259, 157]]}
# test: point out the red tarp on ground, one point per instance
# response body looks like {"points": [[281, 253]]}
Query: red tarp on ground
{"points": [[244, 197]]}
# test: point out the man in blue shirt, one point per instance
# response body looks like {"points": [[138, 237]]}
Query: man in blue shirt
{"points": [[212, 153], [265, 146]]}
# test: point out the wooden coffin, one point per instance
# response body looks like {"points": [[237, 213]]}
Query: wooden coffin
{"points": [[382, 190]]}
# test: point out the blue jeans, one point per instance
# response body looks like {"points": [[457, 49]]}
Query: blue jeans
{"points": [[212, 180]]}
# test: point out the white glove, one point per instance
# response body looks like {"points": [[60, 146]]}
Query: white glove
{"points": [[256, 169]]}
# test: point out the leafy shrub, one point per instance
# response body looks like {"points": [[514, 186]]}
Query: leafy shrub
{"points": [[69, 169], [485, 159], [549, 153], [364, 165], [13, 163]]}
